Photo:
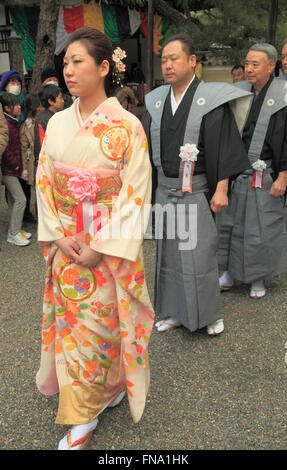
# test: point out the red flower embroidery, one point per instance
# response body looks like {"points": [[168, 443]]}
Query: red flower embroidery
{"points": [[99, 129], [70, 318], [139, 349], [100, 278], [139, 331]]}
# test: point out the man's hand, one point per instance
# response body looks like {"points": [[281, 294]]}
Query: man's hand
{"points": [[88, 258], [219, 202], [69, 247], [278, 188]]}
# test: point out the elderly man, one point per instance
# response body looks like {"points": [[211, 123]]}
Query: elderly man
{"points": [[284, 59], [238, 73], [185, 115], [252, 234]]}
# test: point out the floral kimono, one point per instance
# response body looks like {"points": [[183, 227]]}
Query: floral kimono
{"points": [[94, 184]]}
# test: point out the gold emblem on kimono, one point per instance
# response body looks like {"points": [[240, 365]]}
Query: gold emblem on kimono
{"points": [[114, 142], [76, 283]]}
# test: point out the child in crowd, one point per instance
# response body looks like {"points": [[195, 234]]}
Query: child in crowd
{"points": [[51, 97], [32, 109], [11, 82], [12, 168]]}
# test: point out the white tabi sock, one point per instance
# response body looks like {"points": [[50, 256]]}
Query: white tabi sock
{"points": [[225, 280], [167, 324], [257, 288], [78, 431]]}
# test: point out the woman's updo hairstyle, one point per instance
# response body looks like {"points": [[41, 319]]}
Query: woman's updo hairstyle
{"points": [[100, 48]]}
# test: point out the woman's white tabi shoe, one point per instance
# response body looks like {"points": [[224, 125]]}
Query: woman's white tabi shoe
{"points": [[215, 328], [167, 324], [78, 436]]}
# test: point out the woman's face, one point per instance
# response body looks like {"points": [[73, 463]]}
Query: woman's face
{"points": [[82, 75]]}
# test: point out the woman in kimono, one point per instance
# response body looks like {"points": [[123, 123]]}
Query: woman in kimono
{"points": [[93, 184]]}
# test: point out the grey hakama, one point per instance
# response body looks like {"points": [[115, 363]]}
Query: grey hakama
{"points": [[187, 286], [252, 231], [186, 283], [252, 236]]}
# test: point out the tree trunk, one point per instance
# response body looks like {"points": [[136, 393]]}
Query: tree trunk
{"points": [[150, 46], [46, 40], [273, 16], [162, 8], [16, 58]]}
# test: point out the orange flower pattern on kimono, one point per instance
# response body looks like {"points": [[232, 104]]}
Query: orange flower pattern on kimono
{"points": [[96, 321]]}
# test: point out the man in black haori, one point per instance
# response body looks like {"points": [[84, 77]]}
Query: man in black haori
{"points": [[252, 233], [195, 148]]}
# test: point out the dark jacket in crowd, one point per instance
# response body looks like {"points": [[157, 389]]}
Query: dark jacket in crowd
{"points": [[40, 129], [12, 157]]}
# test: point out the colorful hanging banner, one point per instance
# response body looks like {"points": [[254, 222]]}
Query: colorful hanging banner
{"points": [[160, 29], [25, 21], [117, 23]]}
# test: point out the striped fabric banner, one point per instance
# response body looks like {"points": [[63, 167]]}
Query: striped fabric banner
{"points": [[160, 29], [25, 21], [117, 23]]}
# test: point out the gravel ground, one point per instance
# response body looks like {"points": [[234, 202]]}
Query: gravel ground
{"points": [[226, 392]]}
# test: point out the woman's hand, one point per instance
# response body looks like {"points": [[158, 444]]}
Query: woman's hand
{"points": [[69, 247], [88, 258]]}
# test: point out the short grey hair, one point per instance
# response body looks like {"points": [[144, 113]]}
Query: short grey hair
{"points": [[269, 50]]}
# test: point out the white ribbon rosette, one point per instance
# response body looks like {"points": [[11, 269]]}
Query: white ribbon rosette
{"points": [[259, 166], [188, 154]]}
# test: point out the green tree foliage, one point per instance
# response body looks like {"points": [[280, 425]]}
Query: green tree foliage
{"points": [[232, 26]]}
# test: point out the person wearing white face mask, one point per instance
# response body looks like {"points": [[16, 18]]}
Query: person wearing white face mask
{"points": [[11, 82], [50, 76], [15, 89]]}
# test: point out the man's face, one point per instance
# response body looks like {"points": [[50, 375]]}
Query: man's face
{"points": [[177, 67], [258, 68], [284, 58], [238, 75]]}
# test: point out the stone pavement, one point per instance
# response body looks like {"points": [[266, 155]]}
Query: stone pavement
{"points": [[226, 392]]}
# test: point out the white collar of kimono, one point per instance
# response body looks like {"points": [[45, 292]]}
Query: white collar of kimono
{"points": [[78, 114], [174, 104]]}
